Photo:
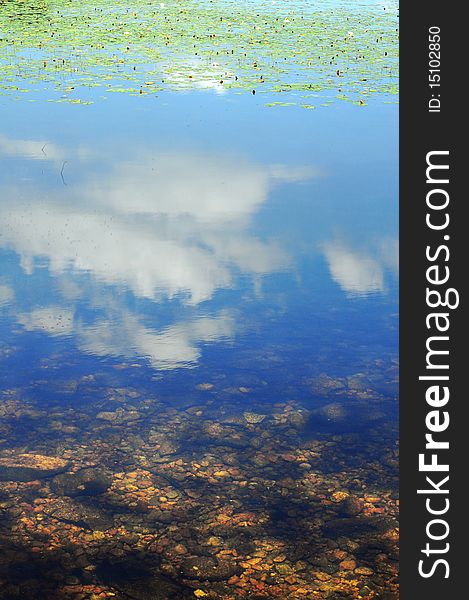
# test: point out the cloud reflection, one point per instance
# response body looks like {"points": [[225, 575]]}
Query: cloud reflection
{"points": [[123, 334], [168, 228], [53, 320], [173, 225], [7, 294], [165, 226], [33, 149], [174, 346], [360, 272]]}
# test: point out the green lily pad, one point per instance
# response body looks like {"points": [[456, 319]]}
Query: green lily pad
{"points": [[199, 45]]}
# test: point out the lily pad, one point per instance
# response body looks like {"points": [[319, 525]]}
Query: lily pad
{"points": [[148, 46]]}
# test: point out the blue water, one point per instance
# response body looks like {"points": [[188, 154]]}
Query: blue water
{"points": [[201, 272], [199, 236]]}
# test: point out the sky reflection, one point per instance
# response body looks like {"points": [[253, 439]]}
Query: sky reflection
{"points": [[155, 252]]}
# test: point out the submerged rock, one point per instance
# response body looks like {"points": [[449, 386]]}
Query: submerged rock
{"points": [[345, 417], [222, 435], [85, 482], [357, 526], [205, 386], [350, 506], [297, 418], [324, 384], [139, 582], [253, 418], [204, 568], [78, 513], [28, 467], [118, 417], [333, 412]]}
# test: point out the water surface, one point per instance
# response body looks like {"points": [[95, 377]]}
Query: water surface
{"points": [[198, 313]]}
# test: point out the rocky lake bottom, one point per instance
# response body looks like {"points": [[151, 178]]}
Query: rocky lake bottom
{"points": [[133, 497]]}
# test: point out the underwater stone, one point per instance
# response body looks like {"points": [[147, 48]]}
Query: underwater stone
{"points": [[204, 568], [333, 412], [350, 506], [253, 418], [118, 417], [85, 482], [28, 467], [78, 513]]}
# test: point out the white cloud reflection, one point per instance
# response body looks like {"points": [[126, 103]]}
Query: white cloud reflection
{"points": [[165, 226], [33, 149], [124, 335], [172, 225], [53, 320], [172, 347], [360, 272], [7, 294]]}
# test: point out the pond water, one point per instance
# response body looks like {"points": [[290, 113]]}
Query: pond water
{"points": [[198, 318]]}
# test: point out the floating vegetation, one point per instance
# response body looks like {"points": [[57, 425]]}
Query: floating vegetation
{"points": [[142, 48]]}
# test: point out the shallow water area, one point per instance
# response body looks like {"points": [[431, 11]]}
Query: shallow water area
{"points": [[198, 324], [294, 50]]}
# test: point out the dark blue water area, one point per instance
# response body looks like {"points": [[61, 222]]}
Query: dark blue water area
{"points": [[207, 239]]}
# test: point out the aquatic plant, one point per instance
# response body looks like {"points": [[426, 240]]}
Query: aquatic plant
{"points": [[69, 48]]}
